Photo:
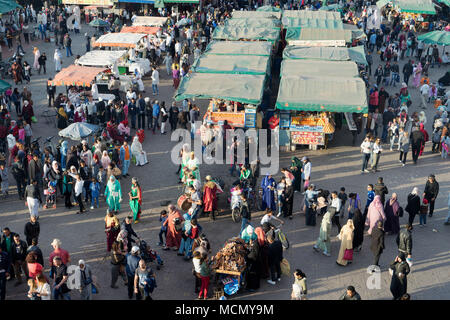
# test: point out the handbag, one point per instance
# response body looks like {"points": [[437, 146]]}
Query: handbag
{"points": [[285, 267], [348, 255], [94, 289], [34, 119], [400, 212]]}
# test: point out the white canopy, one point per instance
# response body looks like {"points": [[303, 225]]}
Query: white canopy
{"points": [[101, 58], [149, 21], [119, 39]]}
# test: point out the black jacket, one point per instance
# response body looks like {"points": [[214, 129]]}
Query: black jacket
{"points": [[130, 231], [32, 230], [245, 211], [417, 138], [408, 69], [431, 189], [3, 242], [275, 252], [380, 190], [413, 205], [18, 171], [5, 261], [404, 241], [377, 244], [19, 252], [33, 192]]}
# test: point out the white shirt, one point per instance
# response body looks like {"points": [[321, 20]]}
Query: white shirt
{"points": [[131, 95], [377, 148], [44, 289], [178, 48], [197, 264], [267, 218], [79, 187], [306, 171], [424, 89], [155, 77], [365, 147], [336, 203], [168, 40]]}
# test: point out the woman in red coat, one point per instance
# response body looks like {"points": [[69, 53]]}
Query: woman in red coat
{"points": [[210, 197], [173, 236], [425, 138]]}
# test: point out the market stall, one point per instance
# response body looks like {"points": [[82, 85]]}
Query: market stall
{"points": [[253, 23], [240, 48], [102, 58], [75, 75], [291, 67], [238, 14], [318, 37], [141, 29], [150, 21], [312, 23], [232, 64], [244, 33], [356, 54], [308, 14], [235, 100]]}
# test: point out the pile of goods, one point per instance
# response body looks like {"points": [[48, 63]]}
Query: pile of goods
{"points": [[231, 257]]}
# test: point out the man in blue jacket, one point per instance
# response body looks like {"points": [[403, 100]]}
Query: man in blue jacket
{"points": [[156, 110]]}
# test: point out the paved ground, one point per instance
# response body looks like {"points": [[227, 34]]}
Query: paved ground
{"points": [[338, 166]]}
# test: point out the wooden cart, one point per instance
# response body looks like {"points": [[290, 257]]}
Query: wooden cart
{"points": [[240, 275]]}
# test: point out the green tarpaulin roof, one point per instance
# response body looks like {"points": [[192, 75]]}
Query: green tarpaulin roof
{"points": [[231, 64], [415, 6], [332, 7], [318, 34], [313, 23], [323, 15], [436, 37], [225, 33], [240, 48], [291, 67], [242, 88], [269, 9], [305, 93], [356, 54], [446, 2], [4, 86], [8, 5], [253, 23], [238, 14]]}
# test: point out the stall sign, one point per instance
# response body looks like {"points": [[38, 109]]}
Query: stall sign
{"points": [[307, 128], [309, 138], [234, 119], [285, 120]]}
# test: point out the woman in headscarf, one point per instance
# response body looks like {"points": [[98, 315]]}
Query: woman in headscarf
{"points": [[249, 234], [27, 111], [413, 206], [268, 186], [399, 270], [173, 236], [105, 160], [417, 71], [112, 228], [253, 266], [122, 239], [425, 137], [58, 60], [124, 129], [79, 115], [135, 195], [113, 194], [346, 237], [324, 241], [263, 252], [375, 213], [37, 54], [358, 234], [138, 153], [62, 118], [193, 166], [422, 117], [391, 209], [185, 155], [210, 197], [296, 169]]}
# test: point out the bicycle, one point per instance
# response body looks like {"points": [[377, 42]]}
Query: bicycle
{"points": [[281, 236]]}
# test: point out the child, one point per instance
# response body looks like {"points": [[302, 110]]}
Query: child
{"points": [[423, 212], [343, 196], [50, 195], [4, 178], [21, 134], [101, 178], [163, 230], [95, 192]]}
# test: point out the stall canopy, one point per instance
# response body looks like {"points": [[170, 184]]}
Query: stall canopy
{"points": [[255, 15], [436, 37], [101, 58], [290, 67], [92, 3], [232, 64], [79, 130], [380, 4], [311, 34], [334, 94], [307, 14], [356, 54], [415, 6], [230, 33], [75, 75], [140, 29], [241, 88], [253, 23], [313, 23], [149, 21], [357, 33], [240, 48], [8, 5], [4, 86], [122, 40], [446, 2], [269, 9]]}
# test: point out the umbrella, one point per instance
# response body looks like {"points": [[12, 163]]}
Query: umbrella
{"points": [[436, 37], [79, 130], [98, 23]]}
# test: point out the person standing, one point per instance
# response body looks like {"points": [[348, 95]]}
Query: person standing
{"points": [[346, 251], [68, 45], [112, 228], [399, 270], [125, 158], [135, 195], [33, 198], [275, 257], [350, 294], [413, 206], [155, 81], [113, 194], [306, 172], [268, 186], [173, 116], [404, 242], [324, 241], [78, 191], [32, 230], [19, 175], [18, 256], [132, 263], [58, 60], [37, 55], [141, 112], [335, 209], [381, 190], [118, 262], [392, 211], [210, 197], [358, 234], [376, 154], [59, 252], [288, 199], [299, 289], [404, 147], [132, 111], [155, 115], [143, 275], [407, 71], [417, 139], [366, 150], [83, 276], [375, 214], [173, 223], [377, 244], [60, 278], [431, 192]]}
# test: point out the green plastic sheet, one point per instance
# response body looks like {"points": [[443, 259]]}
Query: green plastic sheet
{"points": [[230, 33], [313, 23], [318, 34], [356, 54], [291, 67], [253, 23], [232, 64], [436, 37], [269, 9], [4, 86], [306, 14], [239, 48], [8, 5], [238, 14], [415, 6]]}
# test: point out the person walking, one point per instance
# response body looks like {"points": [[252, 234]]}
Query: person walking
{"points": [[375, 213], [132, 263], [407, 71], [113, 194], [78, 192], [18, 258], [58, 60], [275, 256], [83, 277], [155, 81], [431, 192], [413, 206], [404, 242], [32, 230], [43, 63], [37, 55], [210, 197], [399, 270], [58, 252], [125, 158], [381, 190], [404, 147], [417, 139], [358, 234], [135, 195], [68, 45], [346, 250], [377, 244], [173, 223], [60, 278], [299, 289], [19, 175], [118, 262], [112, 228], [33, 198], [392, 212], [324, 241], [143, 276]]}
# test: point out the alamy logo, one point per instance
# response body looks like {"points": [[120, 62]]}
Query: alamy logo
{"points": [[374, 280]]}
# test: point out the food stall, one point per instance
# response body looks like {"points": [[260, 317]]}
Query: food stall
{"points": [[235, 100], [150, 21], [229, 265], [253, 23], [356, 54], [232, 64], [102, 58], [310, 37], [151, 31], [240, 48], [309, 14], [136, 41]]}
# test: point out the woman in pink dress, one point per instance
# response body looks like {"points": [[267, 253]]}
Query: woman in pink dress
{"points": [[375, 213], [417, 75]]}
